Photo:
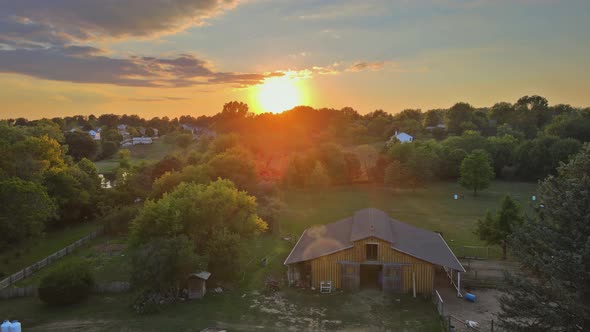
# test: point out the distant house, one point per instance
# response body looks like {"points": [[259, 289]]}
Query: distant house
{"points": [[142, 140], [438, 126], [371, 250], [402, 137], [197, 284], [94, 134], [199, 131]]}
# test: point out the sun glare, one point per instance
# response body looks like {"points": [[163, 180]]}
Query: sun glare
{"points": [[278, 94]]}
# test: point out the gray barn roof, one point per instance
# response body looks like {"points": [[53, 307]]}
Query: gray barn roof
{"points": [[423, 244]]}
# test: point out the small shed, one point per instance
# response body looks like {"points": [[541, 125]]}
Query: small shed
{"points": [[196, 284]]}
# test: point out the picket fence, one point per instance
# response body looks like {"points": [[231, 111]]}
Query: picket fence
{"points": [[32, 269], [100, 288]]}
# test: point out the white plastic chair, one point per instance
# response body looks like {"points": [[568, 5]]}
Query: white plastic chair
{"points": [[326, 286]]}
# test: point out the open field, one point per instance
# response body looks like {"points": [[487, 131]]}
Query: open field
{"points": [[148, 153], [247, 307], [431, 208], [18, 258], [108, 257]]}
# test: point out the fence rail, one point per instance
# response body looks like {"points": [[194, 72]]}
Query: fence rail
{"points": [[100, 288], [439, 303], [33, 268]]}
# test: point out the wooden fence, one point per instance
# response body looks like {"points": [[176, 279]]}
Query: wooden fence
{"points": [[100, 288], [32, 269]]}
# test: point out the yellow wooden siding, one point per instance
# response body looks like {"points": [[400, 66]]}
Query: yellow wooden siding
{"points": [[327, 267]]}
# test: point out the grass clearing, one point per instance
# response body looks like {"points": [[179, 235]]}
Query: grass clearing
{"points": [[108, 257], [431, 208], [26, 254], [139, 153]]}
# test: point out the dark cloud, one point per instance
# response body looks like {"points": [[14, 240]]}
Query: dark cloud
{"points": [[82, 65], [360, 66], [91, 19], [45, 39]]}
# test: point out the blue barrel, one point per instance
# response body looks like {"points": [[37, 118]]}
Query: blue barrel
{"points": [[470, 297], [5, 327], [15, 327]]}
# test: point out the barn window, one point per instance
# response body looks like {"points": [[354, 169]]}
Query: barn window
{"points": [[371, 250]]}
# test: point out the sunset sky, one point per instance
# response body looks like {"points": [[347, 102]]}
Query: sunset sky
{"points": [[174, 57]]}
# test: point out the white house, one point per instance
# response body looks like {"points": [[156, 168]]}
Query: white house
{"points": [[142, 140], [94, 134], [402, 137]]}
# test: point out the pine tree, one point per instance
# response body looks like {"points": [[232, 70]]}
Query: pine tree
{"points": [[495, 230], [554, 251]]}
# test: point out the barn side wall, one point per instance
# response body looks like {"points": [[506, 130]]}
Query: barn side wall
{"points": [[327, 267]]}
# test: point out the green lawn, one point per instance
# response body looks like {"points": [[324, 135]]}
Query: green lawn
{"points": [[431, 208], [108, 263], [148, 153], [14, 260]]}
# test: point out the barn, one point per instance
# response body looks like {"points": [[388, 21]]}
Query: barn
{"points": [[371, 250]]}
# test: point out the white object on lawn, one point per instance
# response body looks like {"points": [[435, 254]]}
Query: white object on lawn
{"points": [[326, 287]]}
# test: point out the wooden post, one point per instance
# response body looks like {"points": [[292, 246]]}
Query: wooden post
{"points": [[414, 283], [458, 284], [492, 325]]}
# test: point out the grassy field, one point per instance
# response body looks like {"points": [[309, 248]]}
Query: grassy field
{"points": [[14, 260], [148, 153], [247, 307], [431, 208], [107, 256]]}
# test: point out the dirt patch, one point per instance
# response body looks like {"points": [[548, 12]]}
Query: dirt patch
{"points": [[483, 311], [290, 316]]}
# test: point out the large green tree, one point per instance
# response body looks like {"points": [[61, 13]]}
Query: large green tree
{"points": [[476, 171], [25, 208], [495, 229], [81, 145], [554, 251], [201, 212]]}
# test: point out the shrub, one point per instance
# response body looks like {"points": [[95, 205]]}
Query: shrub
{"points": [[117, 221], [67, 284]]}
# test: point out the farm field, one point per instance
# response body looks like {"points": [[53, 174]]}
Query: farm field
{"points": [[246, 306], [148, 153]]}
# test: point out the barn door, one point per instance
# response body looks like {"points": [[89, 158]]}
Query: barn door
{"points": [[392, 278], [351, 275]]}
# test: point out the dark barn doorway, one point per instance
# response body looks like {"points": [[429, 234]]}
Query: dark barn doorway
{"points": [[371, 276]]}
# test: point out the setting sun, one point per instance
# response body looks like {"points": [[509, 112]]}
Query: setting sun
{"points": [[278, 94]]}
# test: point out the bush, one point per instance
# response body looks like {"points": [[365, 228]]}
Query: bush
{"points": [[67, 284], [117, 221]]}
